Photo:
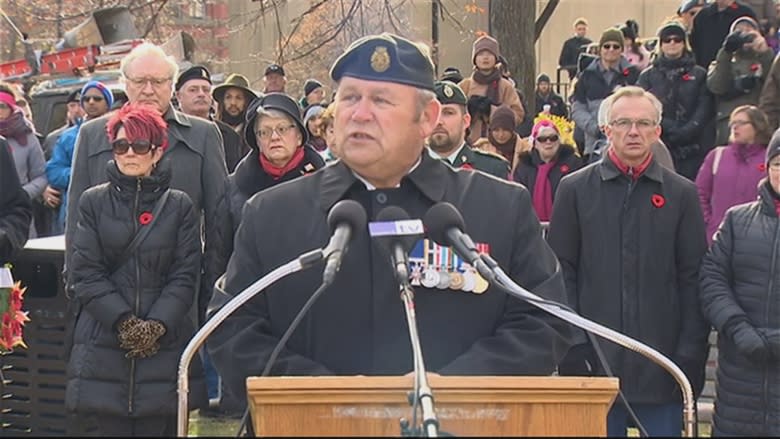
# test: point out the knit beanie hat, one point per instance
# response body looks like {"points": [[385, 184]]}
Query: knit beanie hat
{"points": [[101, 88], [744, 19], [504, 118], [485, 42], [613, 35], [544, 123], [773, 149], [671, 28], [543, 77], [310, 85]]}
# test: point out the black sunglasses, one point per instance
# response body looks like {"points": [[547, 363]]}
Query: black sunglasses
{"points": [[612, 46], [94, 98], [545, 139], [140, 147], [672, 40]]}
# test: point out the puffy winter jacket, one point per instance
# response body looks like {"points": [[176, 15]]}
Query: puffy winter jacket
{"points": [[740, 276], [156, 282]]}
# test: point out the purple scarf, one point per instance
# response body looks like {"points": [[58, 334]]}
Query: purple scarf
{"points": [[542, 198], [16, 127]]}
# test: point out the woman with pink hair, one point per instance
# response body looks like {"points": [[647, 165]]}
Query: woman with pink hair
{"points": [[541, 168]]}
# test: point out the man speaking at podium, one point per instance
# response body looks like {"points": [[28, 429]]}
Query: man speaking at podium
{"points": [[385, 108]]}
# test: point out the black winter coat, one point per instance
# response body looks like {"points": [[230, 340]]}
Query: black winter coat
{"points": [[250, 178], [358, 325], [156, 282], [528, 164], [710, 28], [15, 207], [740, 276], [630, 253], [688, 107]]}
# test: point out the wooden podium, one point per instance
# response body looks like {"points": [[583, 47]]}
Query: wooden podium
{"points": [[465, 405]]}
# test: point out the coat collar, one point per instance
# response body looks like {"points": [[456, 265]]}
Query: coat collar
{"points": [[428, 177], [609, 171], [177, 121]]}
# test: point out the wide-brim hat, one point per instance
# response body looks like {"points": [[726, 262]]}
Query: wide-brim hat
{"points": [[234, 80], [273, 101]]}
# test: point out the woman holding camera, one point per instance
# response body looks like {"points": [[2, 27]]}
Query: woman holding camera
{"points": [[737, 75]]}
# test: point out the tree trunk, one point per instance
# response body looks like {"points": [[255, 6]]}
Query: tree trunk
{"points": [[512, 23]]}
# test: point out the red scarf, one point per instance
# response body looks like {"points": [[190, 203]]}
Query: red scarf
{"points": [[277, 172], [638, 170], [777, 206], [542, 198]]}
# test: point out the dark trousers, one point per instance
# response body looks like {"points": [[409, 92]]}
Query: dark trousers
{"points": [[658, 419], [150, 426]]}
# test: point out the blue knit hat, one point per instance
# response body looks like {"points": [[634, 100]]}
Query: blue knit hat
{"points": [[107, 94]]}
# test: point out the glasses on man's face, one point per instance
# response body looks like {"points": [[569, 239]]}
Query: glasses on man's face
{"points": [[672, 40], [626, 124], [544, 139], [267, 133], [94, 98], [140, 147], [611, 47], [738, 123], [155, 82]]}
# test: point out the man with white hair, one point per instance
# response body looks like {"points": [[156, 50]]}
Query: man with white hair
{"points": [[194, 148]]}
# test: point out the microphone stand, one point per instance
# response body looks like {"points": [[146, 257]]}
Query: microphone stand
{"points": [[424, 394], [489, 269], [304, 261]]}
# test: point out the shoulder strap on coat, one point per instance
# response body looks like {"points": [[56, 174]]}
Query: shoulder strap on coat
{"points": [[716, 160]]}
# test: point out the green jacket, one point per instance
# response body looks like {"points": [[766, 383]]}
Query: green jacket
{"points": [[493, 164]]}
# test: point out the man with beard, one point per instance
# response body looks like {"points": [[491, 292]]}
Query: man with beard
{"points": [[448, 140], [193, 93], [233, 96]]}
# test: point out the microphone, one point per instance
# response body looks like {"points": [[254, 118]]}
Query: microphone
{"points": [[445, 225], [344, 218], [396, 233]]}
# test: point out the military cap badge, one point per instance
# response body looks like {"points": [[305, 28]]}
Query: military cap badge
{"points": [[380, 59]]}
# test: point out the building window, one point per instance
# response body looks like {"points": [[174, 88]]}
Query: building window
{"points": [[197, 8]]}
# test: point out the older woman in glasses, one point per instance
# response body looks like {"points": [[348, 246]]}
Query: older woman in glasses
{"points": [[541, 168], [134, 270], [279, 151]]}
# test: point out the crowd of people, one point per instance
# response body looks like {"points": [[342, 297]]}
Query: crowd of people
{"points": [[647, 200]]}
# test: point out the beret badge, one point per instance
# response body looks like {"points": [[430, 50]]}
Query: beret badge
{"points": [[380, 59], [448, 91]]}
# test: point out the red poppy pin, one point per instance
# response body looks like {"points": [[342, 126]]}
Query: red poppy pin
{"points": [[755, 67], [145, 218], [734, 6], [762, 167], [564, 169], [658, 200], [626, 72], [466, 166], [686, 77]]}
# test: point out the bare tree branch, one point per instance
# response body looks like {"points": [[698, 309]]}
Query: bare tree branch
{"points": [[153, 20]]}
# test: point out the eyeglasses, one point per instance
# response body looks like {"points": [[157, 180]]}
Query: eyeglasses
{"points": [[266, 133], [739, 123], [155, 82], [612, 46], [140, 147], [672, 40], [545, 139], [94, 98], [626, 124]]}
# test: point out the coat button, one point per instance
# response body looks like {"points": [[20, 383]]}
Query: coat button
{"points": [[381, 198]]}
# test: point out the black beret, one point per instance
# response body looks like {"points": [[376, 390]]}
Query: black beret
{"points": [[74, 96], [194, 72], [385, 57], [449, 93]]}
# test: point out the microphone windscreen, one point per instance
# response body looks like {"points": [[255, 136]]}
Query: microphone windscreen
{"points": [[395, 213], [440, 218], [347, 211]]}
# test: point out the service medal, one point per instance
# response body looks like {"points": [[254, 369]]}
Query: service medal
{"points": [[456, 281], [430, 278], [469, 281], [481, 285], [444, 280]]}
